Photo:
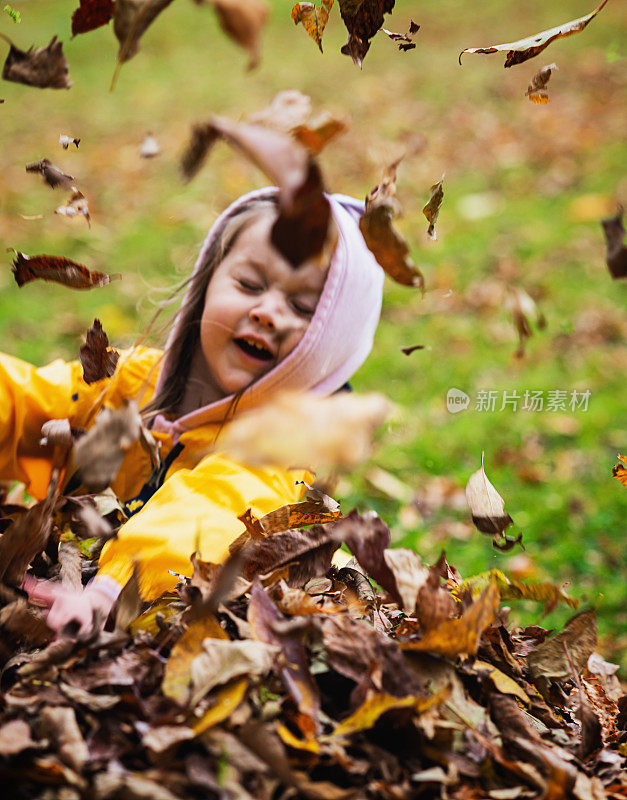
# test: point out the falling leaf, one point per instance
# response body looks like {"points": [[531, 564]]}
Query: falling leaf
{"points": [[431, 208], [43, 67], [524, 49], [66, 141], [52, 175], [385, 243], [288, 109], [523, 309], [511, 589], [619, 471], [91, 14], [75, 206], [129, 602], [313, 18], [56, 269], [23, 540], [56, 432], [409, 350], [304, 429], [97, 358], [616, 251], [369, 712], [131, 19], [70, 561], [405, 41], [316, 509], [574, 644], [243, 22], [362, 24], [536, 91], [486, 505], [100, 453], [461, 636], [13, 13], [317, 133], [150, 147], [303, 228]]}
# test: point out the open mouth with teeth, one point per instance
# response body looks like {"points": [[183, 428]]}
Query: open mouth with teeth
{"points": [[255, 349]]}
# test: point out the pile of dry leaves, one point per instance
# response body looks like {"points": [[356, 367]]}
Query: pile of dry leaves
{"points": [[281, 674]]}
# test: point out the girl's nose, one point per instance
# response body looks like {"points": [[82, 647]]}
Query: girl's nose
{"points": [[268, 312], [264, 318]]}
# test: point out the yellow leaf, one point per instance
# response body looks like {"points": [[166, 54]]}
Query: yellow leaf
{"points": [[502, 682], [369, 712], [511, 589], [226, 701], [177, 678], [288, 738], [148, 620], [314, 19], [461, 636], [619, 471]]}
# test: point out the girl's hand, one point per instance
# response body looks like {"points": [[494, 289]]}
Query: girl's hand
{"points": [[67, 605]]}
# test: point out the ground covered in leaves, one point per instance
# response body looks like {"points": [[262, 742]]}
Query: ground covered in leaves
{"points": [[281, 674]]}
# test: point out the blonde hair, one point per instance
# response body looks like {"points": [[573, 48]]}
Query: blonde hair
{"points": [[187, 329]]}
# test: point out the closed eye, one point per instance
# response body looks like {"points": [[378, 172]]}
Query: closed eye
{"points": [[249, 286], [303, 310]]}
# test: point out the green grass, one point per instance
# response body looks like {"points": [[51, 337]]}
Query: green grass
{"points": [[545, 172]]}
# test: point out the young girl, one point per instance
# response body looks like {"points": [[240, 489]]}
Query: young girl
{"points": [[250, 325]]}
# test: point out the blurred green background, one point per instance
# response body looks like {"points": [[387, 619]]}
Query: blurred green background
{"points": [[525, 186]]}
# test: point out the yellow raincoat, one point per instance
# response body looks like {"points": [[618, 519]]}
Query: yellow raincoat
{"points": [[202, 495]]}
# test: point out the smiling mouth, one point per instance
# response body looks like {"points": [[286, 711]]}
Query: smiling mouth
{"points": [[254, 349]]}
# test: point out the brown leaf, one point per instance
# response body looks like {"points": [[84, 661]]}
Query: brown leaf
{"points": [[91, 14], [523, 309], [616, 251], [66, 141], [76, 206], [405, 41], [536, 91], [70, 561], [97, 358], [409, 575], [129, 602], [362, 24], [316, 509], [52, 175], [313, 18], [56, 269], [318, 132], [409, 350], [24, 623], [59, 722], [56, 432], [386, 244], [572, 645], [303, 229], [243, 22], [461, 636], [131, 19], [100, 452], [43, 67], [486, 505], [524, 49], [15, 738], [23, 540], [435, 604], [163, 739], [431, 208]]}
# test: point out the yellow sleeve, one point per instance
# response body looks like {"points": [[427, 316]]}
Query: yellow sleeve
{"points": [[30, 396], [194, 510]]}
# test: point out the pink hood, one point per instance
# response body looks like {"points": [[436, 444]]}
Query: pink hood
{"points": [[339, 336]]}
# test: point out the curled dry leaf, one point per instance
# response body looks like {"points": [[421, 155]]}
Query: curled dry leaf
{"points": [[23, 540], [58, 270], [288, 109], [75, 206], [15, 738], [66, 141], [616, 251], [100, 452], [313, 18], [409, 574], [91, 14], [409, 350], [70, 561], [131, 19], [486, 505], [405, 41], [556, 657], [307, 430], [386, 244], [304, 228], [59, 722], [97, 358], [150, 147], [431, 208], [524, 49], [362, 21], [243, 22], [536, 91], [52, 175], [56, 432], [368, 713], [43, 67]]}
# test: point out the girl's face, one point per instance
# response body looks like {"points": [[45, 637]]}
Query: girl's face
{"points": [[257, 308]]}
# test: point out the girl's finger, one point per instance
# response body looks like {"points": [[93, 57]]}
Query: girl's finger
{"points": [[41, 591]]}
